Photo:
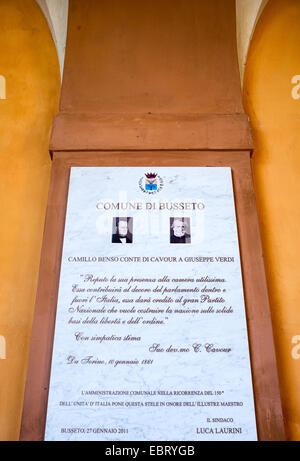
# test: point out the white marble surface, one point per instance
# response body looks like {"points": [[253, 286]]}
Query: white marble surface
{"points": [[213, 234]]}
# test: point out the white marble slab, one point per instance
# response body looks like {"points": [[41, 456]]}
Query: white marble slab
{"points": [[182, 395]]}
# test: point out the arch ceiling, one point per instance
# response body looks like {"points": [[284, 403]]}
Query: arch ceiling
{"points": [[56, 13], [247, 15]]}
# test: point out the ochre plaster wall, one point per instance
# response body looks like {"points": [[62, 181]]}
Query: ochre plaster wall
{"points": [[272, 62], [28, 61]]}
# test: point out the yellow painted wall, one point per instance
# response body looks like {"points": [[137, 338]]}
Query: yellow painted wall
{"points": [[273, 59], [28, 61]]}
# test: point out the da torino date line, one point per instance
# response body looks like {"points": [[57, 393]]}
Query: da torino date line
{"points": [[91, 360]]}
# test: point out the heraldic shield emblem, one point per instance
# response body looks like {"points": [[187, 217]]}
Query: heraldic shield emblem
{"points": [[151, 183]]}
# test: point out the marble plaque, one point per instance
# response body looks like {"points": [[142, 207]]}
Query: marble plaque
{"points": [[150, 338]]}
